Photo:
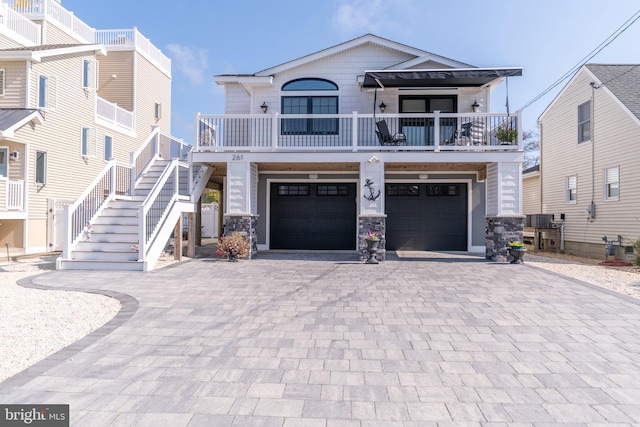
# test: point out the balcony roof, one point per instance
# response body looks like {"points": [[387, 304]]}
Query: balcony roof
{"points": [[12, 119], [458, 77]]}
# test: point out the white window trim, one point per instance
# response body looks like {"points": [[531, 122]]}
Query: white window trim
{"points": [[92, 83], [580, 123], [568, 187], [104, 147], [51, 94], [91, 142], [46, 161], [606, 196]]}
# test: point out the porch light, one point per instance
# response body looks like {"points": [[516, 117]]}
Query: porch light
{"points": [[382, 106], [264, 107], [475, 106]]}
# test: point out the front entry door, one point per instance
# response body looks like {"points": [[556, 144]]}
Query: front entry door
{"points": [[420, 131]]}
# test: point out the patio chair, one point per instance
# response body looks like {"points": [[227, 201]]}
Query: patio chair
{"points": [[473, 132], [385, 137]]}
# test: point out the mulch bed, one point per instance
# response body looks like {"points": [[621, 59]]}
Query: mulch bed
{"points": [[616, 263]]}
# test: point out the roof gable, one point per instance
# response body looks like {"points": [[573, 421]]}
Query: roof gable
{"points": [[623, 80]]}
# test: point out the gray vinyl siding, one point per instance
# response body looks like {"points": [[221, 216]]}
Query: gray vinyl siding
{"points": [[15, 75], [531, 195], [614, 144]]}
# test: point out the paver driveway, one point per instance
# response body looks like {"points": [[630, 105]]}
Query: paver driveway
{"points": [[323, 340]]}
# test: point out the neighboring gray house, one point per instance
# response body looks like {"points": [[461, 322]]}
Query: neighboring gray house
{"points": [[590, 139], [306, 158]]}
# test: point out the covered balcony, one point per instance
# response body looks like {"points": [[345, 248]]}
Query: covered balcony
{"points": [[427, 132]]}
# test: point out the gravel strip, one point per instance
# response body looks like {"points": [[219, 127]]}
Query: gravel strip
{"points": [[36, 323]]}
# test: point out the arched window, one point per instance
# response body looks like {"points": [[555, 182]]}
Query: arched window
{"points": [[310, 103]]}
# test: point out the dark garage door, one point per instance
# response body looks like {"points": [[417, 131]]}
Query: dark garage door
{"points": [[313, 216], [426, 217]]}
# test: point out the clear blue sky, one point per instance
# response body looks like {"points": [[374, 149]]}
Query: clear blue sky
{"points": [[204, 38]]}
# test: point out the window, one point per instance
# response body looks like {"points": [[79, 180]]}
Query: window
{"points": [[293, 190], [612, 184], [584, 122], [108, 147], [46, 92], [332, 190], [319, 102], [157, 111], [41, 167], [1, 81], [4, 162], [572, 190], [89, 74], [442, 190], [402, 190], [88, 142]]}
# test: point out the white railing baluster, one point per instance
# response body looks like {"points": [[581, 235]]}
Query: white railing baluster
{"points": [[354, 131]]}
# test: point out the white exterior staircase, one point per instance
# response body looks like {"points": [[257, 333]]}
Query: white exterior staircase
{"points": [[125, 218]]}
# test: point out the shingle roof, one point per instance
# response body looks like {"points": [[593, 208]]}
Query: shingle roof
{"points": [[13, 118], [623, 80]]}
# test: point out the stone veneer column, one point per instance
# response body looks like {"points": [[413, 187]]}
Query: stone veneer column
{"points": [[245, 224], [371, 223], [500, 231]]}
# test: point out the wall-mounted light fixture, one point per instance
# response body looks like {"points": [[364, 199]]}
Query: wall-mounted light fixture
{"points": [[475, 106], [264, 107], [313, 176], [382, 106], [423, 176]]}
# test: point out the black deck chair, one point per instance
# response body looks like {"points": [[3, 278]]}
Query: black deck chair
{"points": [[385, 137]]}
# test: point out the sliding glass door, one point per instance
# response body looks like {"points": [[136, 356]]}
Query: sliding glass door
{"points": [[419, 130]]}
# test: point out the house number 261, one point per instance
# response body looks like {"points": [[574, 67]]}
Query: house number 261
{"points": [[237, 157]]}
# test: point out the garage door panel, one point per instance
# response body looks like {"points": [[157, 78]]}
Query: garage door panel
{"points": [[426, 216], [322, 216]]}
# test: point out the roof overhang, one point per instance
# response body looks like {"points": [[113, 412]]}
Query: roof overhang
{"points": [[36, 55], [457, 77], [12, 120]]}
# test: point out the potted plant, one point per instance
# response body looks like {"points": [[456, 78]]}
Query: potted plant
{"points": [[517, 250], [506, 134], [373, 240], [233, 246]]}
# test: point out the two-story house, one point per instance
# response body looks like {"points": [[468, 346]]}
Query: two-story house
{"points": [[368, 135], [588, 158], [72, 99]]}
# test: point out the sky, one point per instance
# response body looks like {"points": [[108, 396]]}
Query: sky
{"points": [[204, 38]]}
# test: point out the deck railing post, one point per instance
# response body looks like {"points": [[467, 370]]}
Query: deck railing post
{"points": [[354, 131], [275, 131], [436, 131], [519, 128]]}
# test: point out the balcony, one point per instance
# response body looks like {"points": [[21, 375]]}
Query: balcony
{"points": [[18, 26], [12, 194], [114, 115], [434, 132]]}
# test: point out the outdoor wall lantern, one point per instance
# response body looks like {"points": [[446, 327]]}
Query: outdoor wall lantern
{"points": [[382, 107], [264, 107], [475, 106]]}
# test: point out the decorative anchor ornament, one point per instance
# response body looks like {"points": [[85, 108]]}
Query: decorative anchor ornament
{"points": [[372, 196]]}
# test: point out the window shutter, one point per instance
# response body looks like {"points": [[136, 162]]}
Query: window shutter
{"points": [[1, 82]]}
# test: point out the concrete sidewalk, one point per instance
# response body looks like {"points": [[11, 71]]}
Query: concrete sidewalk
{"points": [[325, 340]]}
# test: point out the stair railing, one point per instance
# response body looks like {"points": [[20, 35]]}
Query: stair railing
{"points": [[143, 157], [157, 206], [113, 180]]}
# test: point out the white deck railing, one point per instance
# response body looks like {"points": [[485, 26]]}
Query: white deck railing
{"points": [[355, 132], [129, 38], [19, 25], [114, 114], [15, 195]]}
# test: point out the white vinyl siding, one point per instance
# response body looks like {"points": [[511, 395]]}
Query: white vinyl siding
{"points": [[612, 184], [572, 189]]}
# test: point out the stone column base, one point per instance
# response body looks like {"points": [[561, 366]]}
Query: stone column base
{"points": [[370, 223], [245, 224], [500, 231]]}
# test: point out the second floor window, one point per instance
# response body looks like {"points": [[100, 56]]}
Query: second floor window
{"points": [[88, 142], [89, 74], [46, 92], [584, 122], [41, 167], [312, 96], [108, 148], [572, 189]]}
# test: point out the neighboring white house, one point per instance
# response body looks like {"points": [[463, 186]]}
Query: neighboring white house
{"points": [[304, 161], [589, 159], [73, 99], [531, 190]]}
